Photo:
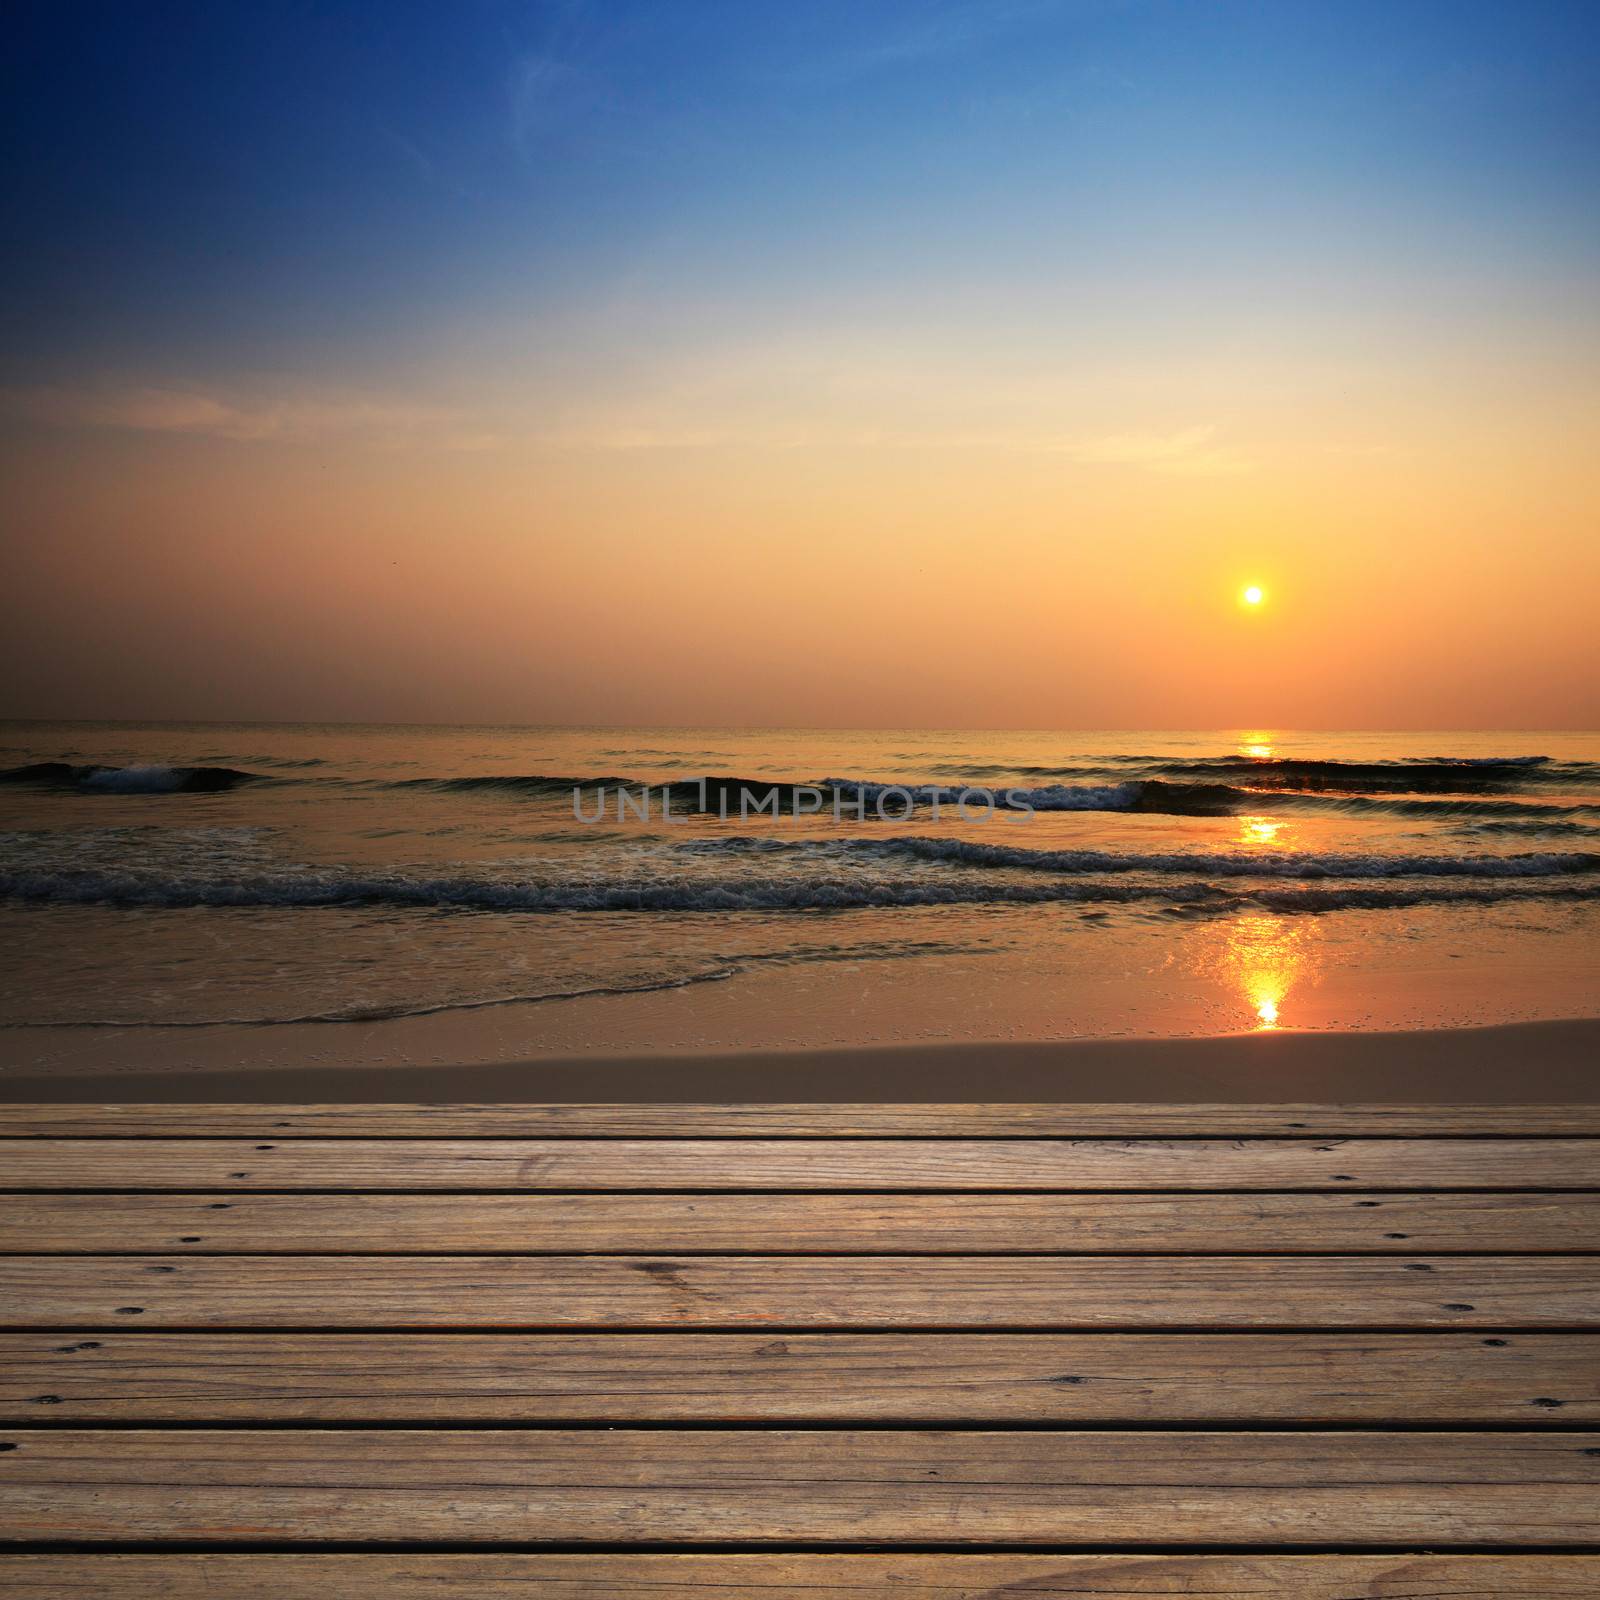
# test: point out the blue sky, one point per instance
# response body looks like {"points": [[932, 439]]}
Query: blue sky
{"points": [[193, 188]]}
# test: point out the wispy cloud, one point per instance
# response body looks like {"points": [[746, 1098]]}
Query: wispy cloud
{"points": [[303, 417], [428, 171], [689, 416], [938, 31], [1190, 450], [561, 88], [545, 94]]}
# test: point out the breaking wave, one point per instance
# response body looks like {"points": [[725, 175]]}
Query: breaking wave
{"points": [[1418, 774], [1159, 797], [322, 888], [1536, 788], [1235, 864], [1414, 775], [153, 779]]}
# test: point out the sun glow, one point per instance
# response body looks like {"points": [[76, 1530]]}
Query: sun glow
{"points": [[1254, 595]]}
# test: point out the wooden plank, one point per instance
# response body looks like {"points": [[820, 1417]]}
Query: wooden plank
{"points": [[882, 1164], [411, 1487], [1019, 1292], [601, 1575], [1073, 1379], [207, 1224], [1052, 1119]]}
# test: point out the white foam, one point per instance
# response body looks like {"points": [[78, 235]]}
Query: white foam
{"points": [[1237, 864], [135, 780], [817, 892]]}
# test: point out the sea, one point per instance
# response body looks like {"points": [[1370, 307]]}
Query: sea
{"points": [[864, 886]]}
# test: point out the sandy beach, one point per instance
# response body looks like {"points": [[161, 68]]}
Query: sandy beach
{"points": [[1521, 1063]]}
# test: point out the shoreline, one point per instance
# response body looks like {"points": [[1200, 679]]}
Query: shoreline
{"points": [[1512, 1063]]}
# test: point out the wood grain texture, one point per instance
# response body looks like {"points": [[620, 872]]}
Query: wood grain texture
{"points": [[1070, 1379], [1020, 1292], [1052, 1119], [529, 1328], [348, 1165], [797, 1577], [1389, 1223], [410, 1487]]}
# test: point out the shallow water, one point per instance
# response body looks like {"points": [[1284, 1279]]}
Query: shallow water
{"points": [[1161, 883]]}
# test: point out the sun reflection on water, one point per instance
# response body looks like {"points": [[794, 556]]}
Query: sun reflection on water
{"points": [[1259, 833], [1264, 958]]}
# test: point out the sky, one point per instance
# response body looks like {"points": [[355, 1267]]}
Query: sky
{"points": [[877, 363]]}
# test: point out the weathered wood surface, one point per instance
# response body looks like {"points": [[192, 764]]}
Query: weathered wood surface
{"points": [[989, 1120], [882, 1330], [946, 1576], [1021, 1292], [1324, 1224], [1069, 1379], [772, 1486], [811, 1164]]}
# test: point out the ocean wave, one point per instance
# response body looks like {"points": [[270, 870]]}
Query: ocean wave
{"points": [[1139, 794], [291, 763], [1049, 797], [1418, 775], [1158, 797], [1536, 827], [509, 783], [149, 779], [817, 892], [1415, 774], [1443, 809], [1232, 864], [1161, 796], [1433, 789]]}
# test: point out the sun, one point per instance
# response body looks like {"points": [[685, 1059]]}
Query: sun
{"points": [[1254, 595]]}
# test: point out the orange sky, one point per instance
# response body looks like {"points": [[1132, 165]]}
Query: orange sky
{"points": [[828, 581]]}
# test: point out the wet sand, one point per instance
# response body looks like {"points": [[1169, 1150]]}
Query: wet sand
{"points": [[1535, 1062]]}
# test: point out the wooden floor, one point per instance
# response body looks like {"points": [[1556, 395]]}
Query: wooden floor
{"points": [[799, 1353]]}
